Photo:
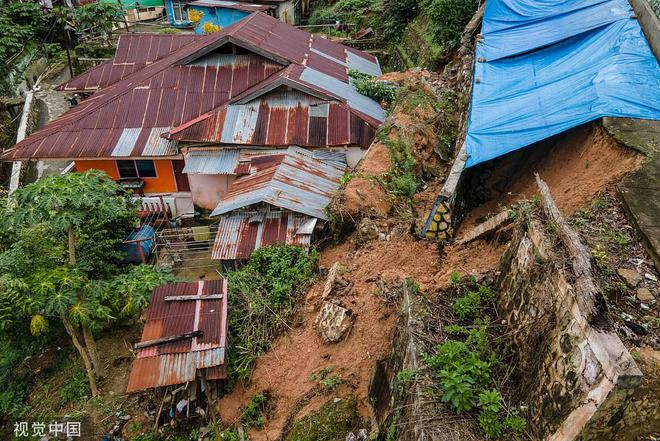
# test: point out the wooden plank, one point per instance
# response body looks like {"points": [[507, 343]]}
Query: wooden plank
{"points": [[197, 297], [148, 343]]}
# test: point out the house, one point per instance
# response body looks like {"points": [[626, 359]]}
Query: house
{"points": [[136, 10], [225, 12], [221, 13], [184, 339], [277, 197], [165, 101]]}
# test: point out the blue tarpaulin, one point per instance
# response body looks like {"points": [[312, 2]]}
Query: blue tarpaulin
{"points": [[543, 67]]}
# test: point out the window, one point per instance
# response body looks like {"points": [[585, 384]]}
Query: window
{"points": [[180, 11], [142, 168]]}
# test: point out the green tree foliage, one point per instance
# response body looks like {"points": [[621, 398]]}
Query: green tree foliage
{"points": [[20, 24], [59, 262], [448, 19], [396, 15], [262, 299]]}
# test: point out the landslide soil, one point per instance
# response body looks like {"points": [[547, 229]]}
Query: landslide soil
{"points": [[286, 369], [576, 165]]}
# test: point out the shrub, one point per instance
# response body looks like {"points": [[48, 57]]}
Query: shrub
{"points": [[253, 413], [448, 19], [367, 85], [262, 298]]}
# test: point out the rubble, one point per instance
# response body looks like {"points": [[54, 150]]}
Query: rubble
{"points": [[334, 279], [630, 276], [645, 295], [334, 322]]}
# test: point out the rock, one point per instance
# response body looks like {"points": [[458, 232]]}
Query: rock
{"points": [[630, 276], [362, 435], [334, 278], [644, 295], [368, 230], [351, 437], [333, 322]]}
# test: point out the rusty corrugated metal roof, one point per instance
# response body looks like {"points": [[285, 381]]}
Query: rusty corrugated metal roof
{"points": [[240, 233], [294, 180], [180, 361], [191, 82], [279, 118], [134, 52]]}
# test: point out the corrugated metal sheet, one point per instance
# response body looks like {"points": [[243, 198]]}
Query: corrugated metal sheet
{"points": [[240, 233], [134, 52], [180, 361], [174, 86], [126, 142], [298, 182], [347, 91], [211, 162], [279, 118]]}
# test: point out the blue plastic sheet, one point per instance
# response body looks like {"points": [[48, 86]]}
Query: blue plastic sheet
{"points": [[555, 65]]}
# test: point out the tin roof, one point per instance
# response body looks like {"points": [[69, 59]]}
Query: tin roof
{"points": [[134, 52], [240, 6], [240, 233], [279, 118], [211, 162], [190, 82], [181, 360], [294, 180]]}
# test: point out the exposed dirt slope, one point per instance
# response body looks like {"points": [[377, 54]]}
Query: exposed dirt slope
{"points": [[576, 165], [286, 369]]}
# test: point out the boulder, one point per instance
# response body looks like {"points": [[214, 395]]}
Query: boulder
{"points": [[333, 322], [630, 276]]}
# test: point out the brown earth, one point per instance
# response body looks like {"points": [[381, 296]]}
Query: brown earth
{"points": [[362, 195], [285, 370], [576, 166]]}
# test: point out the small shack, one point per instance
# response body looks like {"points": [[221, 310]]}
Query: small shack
{"points": [[184, 343], [279, 197]]}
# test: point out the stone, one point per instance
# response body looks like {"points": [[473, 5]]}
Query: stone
{"points": [[368, 230], [334, 279], [333, 322], [645, 295], [630, 276]]}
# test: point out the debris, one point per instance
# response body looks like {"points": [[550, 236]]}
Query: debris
{"points": [[368, 230], [492, 224], [645, 295], [334, 279], [630, 276], [333, 322], [651, 277]]}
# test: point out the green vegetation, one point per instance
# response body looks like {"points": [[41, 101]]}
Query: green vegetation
{"points": [[328, 382], [368, 86], [330, 423], [263, 297], [59, 262], [255, 410], [465, 366], [400, 182], [655, 5], [447, 19], [27, 33]]}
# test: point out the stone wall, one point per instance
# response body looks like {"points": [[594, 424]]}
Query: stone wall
{"points": [[576, 375]]}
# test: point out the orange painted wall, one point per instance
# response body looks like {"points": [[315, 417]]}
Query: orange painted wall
{"points": [[163, 183]]}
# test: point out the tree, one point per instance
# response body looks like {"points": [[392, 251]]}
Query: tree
{"points": [[61, 262]]}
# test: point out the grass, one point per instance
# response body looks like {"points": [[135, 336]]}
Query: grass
{"points": [[263, 298]]}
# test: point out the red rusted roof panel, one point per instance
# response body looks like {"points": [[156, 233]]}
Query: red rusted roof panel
{"points": [[179, 361]]}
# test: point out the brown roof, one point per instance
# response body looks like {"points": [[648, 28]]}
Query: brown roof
{"points": [[126, 118], [134, 52], [182, 360]]}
